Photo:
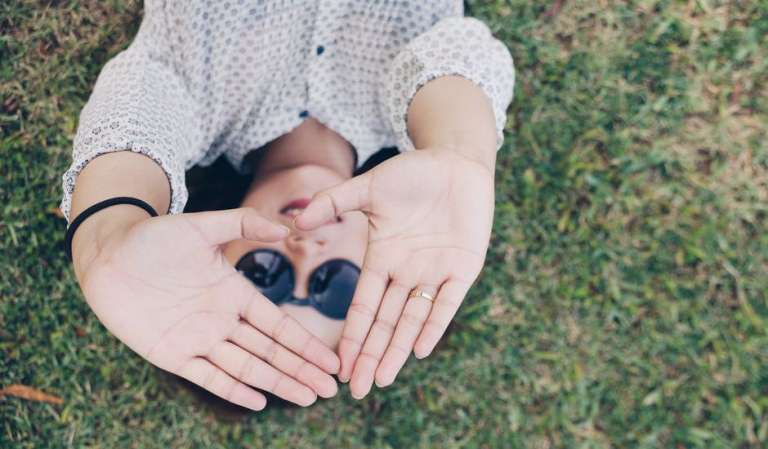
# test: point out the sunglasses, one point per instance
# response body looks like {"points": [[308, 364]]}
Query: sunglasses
{"points": [[331, 285]]}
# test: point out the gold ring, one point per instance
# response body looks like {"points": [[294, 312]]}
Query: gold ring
{"points": [[422, 294]]}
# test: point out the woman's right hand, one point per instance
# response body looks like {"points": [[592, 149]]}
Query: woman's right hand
{"points": [[163, 287]]}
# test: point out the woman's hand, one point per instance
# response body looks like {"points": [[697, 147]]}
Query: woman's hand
{"points": [[163, 287], [430, 214]]}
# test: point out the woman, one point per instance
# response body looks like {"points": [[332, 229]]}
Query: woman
{"points": [[300, 93]]}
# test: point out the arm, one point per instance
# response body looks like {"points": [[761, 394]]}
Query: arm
{"points": [[162, 285], [154, 283], [115, 174], [446, 95], [139, 104], [135, 136], [423, 86], [454, 114]]}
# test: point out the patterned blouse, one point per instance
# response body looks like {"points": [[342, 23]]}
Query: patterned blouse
{"points": [[205, 78]]}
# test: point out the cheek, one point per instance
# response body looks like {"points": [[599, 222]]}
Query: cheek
{"points": [[231, 251]]}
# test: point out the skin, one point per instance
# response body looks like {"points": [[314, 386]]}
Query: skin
{"points": [[283, 175], [165, 287], [430, 214]]}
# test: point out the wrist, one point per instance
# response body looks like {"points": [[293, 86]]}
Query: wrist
{"points": [[110, 175], [95, 234], [484, 157]]}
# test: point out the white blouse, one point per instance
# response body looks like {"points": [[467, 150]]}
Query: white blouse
{"points": [[204, 78]]}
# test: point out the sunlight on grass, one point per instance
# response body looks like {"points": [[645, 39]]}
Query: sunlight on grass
{"points": [[624, 302]]}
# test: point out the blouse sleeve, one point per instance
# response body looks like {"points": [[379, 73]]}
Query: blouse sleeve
{"points": [[140, 104], [460, 46]]}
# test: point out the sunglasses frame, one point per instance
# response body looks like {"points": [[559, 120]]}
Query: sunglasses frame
{"points": [[289, 298]]}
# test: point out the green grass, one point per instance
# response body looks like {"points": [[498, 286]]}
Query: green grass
{"points": [[624, 302]]}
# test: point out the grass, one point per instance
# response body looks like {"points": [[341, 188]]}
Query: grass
{"points": [[624, 302]]}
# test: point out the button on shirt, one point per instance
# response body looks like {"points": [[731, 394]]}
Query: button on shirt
{"points": [[204, 78]]}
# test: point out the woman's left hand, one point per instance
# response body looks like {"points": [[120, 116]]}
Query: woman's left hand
{"points": [[430, 214]]}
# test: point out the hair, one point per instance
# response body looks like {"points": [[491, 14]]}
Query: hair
{"points": [[219, 186]]}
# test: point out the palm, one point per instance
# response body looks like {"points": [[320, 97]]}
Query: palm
{"points": [[182, 294], [165, 289], [430, 214]]}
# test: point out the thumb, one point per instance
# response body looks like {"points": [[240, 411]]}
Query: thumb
{"points": [[350, 195], [219, 227]]}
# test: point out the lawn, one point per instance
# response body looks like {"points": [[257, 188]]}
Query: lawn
{"points": [[624, 302]]}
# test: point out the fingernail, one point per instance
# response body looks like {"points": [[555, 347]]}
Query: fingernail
{"points": [[358, 396], [421, 355], [324, 388], [344, 374], [309, 400], [296, 220], [385, 381], [363, 387]]}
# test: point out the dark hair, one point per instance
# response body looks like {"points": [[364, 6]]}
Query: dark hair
{"points": [[216, 187], [219, 186]]}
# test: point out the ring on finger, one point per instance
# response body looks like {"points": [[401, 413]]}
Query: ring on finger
{"points": [[417, 293]]}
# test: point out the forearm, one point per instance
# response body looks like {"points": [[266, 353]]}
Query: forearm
{"points": [[122, 173], [454, 113]]}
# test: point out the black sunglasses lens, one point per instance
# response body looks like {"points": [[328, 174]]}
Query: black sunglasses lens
{"points": [[269, 271], [333, 286]]}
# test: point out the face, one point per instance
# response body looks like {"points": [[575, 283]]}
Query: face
{"points": [[280, 196]]}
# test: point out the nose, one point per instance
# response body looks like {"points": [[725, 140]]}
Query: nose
{"points": [[303, 248], [305, 243]]}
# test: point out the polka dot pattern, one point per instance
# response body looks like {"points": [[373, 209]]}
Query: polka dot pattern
{"points": [[205, 78]]}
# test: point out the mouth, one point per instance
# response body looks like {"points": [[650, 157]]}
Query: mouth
{"points": [[295, 207]]}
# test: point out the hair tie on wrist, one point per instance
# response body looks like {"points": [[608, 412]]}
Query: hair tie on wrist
{"points": [[98, 207]]}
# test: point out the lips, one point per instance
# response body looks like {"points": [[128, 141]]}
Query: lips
{"points": [[295, 207]]}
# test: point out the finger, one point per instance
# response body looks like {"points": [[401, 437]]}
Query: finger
{"points": [[410, 324], [370, 288], [207, 375], [348, 196], [282, 328], [378, 339], [250, 339], [251, 370], [446, 305], [220, 227]]}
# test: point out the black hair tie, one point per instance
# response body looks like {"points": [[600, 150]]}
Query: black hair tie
{"points": [[101, 206]]}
